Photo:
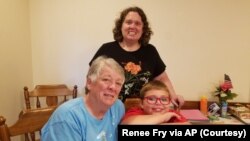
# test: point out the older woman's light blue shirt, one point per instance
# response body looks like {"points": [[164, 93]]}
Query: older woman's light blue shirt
{"points": [[72, 122]]}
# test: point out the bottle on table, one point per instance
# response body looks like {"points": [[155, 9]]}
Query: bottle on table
{"points": [[203, 105]]}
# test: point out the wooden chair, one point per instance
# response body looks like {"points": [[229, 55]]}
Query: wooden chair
{"points": [[132, 102], [30, 120], [54, 95]]}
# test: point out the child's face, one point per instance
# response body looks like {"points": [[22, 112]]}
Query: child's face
{"points": [[156, 101]]}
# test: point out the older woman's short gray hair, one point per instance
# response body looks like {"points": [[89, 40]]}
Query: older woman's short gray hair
{"points": [[99, 63]]}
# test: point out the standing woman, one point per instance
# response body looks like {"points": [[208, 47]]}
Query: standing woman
{"points": [[140, 60]]}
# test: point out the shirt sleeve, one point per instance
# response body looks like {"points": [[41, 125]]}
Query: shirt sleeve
{"points": [[182, 119], [133, 111], [160, 65], [98, 53]]}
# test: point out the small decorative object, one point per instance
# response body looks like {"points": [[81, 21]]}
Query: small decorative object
{"points": [[213, 109], [224, 93]]}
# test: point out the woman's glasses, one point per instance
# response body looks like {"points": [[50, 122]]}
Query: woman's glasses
{"points": [[153, 100]]}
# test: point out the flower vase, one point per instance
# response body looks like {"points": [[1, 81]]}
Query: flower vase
{"points": [[224, 106]]}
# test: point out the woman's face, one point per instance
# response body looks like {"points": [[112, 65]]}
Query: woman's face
{"points": [[106, 87], [132, 27], [156, 101]]}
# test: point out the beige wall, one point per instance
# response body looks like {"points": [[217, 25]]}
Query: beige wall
{"points": [[198, 40], [52, 41], [15, 56]]}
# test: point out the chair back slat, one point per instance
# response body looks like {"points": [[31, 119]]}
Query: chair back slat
{"points": [[52, 94]]}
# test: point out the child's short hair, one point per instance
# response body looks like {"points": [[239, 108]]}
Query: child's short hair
{"points": [[153, 85]]}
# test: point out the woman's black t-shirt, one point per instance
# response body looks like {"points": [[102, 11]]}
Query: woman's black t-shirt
{"points": [[140, 66]]}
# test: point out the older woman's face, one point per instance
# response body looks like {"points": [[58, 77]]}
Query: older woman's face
{"points": [[132, 27], [107, 86]]}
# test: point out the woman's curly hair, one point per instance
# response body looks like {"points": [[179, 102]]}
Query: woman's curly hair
{"points": [[147, 32]]}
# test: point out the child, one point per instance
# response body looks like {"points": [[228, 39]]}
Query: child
{"points": [[155, 107]]}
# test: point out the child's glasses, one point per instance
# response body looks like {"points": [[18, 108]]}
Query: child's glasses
{"points": [[153, 100]]}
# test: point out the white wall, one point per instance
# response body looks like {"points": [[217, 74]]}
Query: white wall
{"points": [[198, 40]]}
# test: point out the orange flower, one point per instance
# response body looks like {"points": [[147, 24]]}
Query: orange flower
{"points": [[132, 68], [135, 79]]}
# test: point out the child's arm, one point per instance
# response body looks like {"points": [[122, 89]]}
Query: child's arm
{"points": [[150, 119]]}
